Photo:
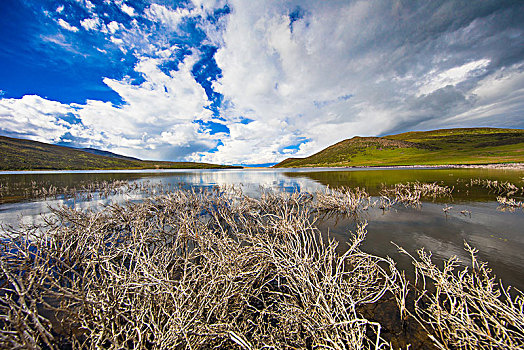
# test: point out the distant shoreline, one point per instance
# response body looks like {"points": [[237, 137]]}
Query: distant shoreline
{"points": [[106, 171], [514, 166], [502, 166], [517, 166]]}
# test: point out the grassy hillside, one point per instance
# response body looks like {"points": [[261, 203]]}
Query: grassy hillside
{"points": [[438, 147], [19, 154]]}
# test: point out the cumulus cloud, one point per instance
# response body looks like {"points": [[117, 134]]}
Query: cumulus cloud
{"points": [[332, 70], [130, 11], [113, 26], [91, 23], [162, 103], [34, 117], [292, 76], [172, 18], [159, 118], [168, 17], [67, 26], [155, 121]]}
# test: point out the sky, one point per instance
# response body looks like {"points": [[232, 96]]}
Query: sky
{"points": [[254, 82]]}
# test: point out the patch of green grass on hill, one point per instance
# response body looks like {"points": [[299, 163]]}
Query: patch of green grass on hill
{"points": [[438, 147], [20, 154]]}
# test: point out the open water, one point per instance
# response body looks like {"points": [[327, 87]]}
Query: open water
{"points": [[475, 215]]}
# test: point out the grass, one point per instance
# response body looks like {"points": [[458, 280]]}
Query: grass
{"points": [[19, 154], [438, 147]]}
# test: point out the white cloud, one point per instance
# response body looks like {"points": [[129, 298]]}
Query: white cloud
{"points": [[113, 26], [60, 40], [117, 41], [130, 11], [251, 141], [328, 79], [156, 120], [452, 76], [335, 70], [208, 5], [67, 26], [168, 17], [91, 23], [88, 5], [33, 117], [294, 83], [499, 101], [60, 8], [504, 83]]}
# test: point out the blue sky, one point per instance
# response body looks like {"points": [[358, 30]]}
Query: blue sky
{"points": [[254, 82]]}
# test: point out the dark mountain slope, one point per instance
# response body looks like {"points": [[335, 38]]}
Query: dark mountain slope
{"points": [[20, 154], [106, 153]]}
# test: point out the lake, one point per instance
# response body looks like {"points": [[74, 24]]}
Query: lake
{"points": [[473, 213]]}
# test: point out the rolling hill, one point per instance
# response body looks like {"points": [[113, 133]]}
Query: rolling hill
{"points": [[20, 154], [437, 147]]}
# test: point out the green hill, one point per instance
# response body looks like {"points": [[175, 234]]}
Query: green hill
{"points": [[437, 147], [19, 154]]}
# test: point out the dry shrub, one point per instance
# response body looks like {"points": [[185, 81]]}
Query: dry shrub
{"points": [[189, 270], [466, 309], [410, 193], [217, 269], [504, 188], [349, 201], [510, 203]]}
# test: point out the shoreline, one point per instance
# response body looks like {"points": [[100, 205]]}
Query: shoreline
{"points": [[502, 166], [517, 166], [511, 166]]}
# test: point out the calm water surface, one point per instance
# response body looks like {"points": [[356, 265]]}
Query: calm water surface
{"points": [[497, 234]]}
